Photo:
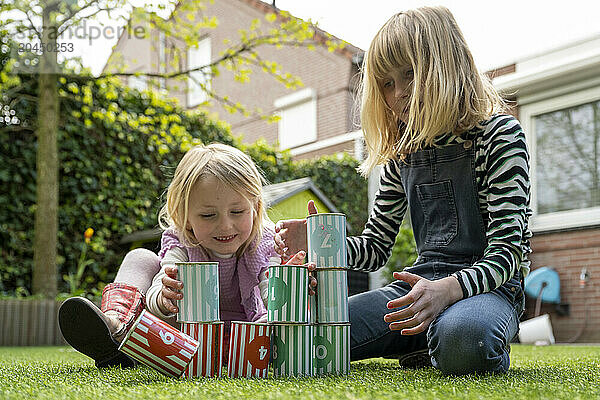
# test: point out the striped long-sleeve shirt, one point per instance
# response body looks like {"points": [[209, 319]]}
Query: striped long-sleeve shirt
{"points": [[502, 178]]}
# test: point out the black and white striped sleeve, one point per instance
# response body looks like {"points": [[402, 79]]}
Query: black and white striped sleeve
{"points": [[371, 250], [506, 164]]}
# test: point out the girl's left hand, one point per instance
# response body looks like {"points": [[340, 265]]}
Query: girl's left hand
{"points": [[423, 303], [298, 259]]}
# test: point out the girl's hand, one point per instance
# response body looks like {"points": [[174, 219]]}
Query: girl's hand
{"points": [[298, 259], [290, 235], [423, 303], [170, 292]]}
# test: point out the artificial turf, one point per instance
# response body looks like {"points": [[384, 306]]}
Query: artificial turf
{"points": [[552, 372]]}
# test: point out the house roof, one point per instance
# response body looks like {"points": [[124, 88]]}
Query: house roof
{"points": [[273, 195], [278, 192]]}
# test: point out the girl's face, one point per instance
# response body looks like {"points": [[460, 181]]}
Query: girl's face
{"points": [[397, 88], [220, 217]]}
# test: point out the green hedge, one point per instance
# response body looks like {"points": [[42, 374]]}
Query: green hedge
{"points": [[118, 149]]}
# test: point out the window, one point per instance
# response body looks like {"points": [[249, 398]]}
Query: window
{"points": [[198, 57], [564, 138], [298, 123], [138, 82]]}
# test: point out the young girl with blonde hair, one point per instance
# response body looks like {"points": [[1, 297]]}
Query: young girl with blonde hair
{"points": [[460, 167], [214, 211]]}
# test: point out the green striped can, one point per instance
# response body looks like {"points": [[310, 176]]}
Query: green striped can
{"points": [[200, 301], [332, 295], [291, 350], [331, 349], [288, 294], [326, 235]]}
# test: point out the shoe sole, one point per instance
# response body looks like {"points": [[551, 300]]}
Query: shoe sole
{"points": [[83, 327]]}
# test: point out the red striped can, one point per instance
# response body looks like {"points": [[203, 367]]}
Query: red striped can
{"points": [[249, 350], [208, 361], [157, 344]]}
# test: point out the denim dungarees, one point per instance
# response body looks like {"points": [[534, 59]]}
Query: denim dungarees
{"points": [[472, 334]]}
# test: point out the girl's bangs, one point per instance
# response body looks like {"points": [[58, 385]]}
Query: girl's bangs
{"points": [[388, 51]]}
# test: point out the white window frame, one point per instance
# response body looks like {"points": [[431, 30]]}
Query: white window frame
{"points": [[306, 98], [138, 82], [162, 59], [527, 113], [196, 57]]}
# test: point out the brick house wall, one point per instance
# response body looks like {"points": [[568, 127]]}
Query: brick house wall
{"points": [[568, 253], [331, 74]]}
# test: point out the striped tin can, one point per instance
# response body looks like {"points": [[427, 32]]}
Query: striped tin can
{"points": [[326, 235], [208, 361], [288, 294], [200, 301], [249, 349], [331, 349], [157, 344], [332, 295], [291, 350]]}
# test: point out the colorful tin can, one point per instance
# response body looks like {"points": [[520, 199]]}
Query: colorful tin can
{"points": [[291, 350], [288, 294], [208, 361], [249, 349], [200, 301], [326, 234], [331, 349], [332, 295], [157, 344]]}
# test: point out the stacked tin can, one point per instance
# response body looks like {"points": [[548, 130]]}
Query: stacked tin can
{"points": [[326, 234], [200, 318], [288, 316]]}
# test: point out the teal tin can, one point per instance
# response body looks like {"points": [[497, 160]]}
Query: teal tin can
{"points": [[331, 349], [288, 294], [292, 350], [200, 291], [332, 296], [326, 235]]}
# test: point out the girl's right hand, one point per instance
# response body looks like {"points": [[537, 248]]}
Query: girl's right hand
{"points": [[171, 291], [290, 235]]}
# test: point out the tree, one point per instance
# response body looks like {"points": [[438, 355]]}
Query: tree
{"points": [[45, 22]]}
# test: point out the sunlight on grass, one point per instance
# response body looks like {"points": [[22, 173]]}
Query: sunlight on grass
{"points": [[556, 372]]}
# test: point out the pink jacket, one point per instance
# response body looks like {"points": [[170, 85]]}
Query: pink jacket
{"points": [[250, 265]]}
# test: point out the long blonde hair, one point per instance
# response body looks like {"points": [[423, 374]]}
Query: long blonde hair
{"points": [[230, 166], [448, 92]]}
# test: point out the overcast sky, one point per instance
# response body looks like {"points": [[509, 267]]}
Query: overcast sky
{"points": [[498, 32]]}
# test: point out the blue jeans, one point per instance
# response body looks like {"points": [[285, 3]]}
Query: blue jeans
{"points": [[471, 335]]}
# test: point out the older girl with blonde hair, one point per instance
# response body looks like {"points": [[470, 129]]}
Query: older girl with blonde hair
{"points": [[460, 168]]}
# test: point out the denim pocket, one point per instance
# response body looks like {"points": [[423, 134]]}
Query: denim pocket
{"points": [[439, 209]]}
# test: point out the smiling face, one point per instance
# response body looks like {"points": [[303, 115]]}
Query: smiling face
{"points": [[397, 86], [220, 218]]}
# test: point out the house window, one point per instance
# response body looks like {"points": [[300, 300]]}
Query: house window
{"points": [[298, 123], [138, 82], [564, 138], [198, 57]]}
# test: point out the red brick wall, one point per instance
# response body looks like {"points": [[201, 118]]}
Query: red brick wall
{"points": [[328, 73], [568, 253]]}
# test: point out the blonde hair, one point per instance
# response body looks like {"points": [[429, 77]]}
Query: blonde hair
{"points": [[230, 166], [448, 92]]}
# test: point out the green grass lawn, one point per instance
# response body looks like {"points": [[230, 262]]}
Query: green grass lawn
{"points": [[555, 372]]}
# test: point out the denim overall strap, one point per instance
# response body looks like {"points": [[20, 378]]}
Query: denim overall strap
{"points": [[443, 202]]}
